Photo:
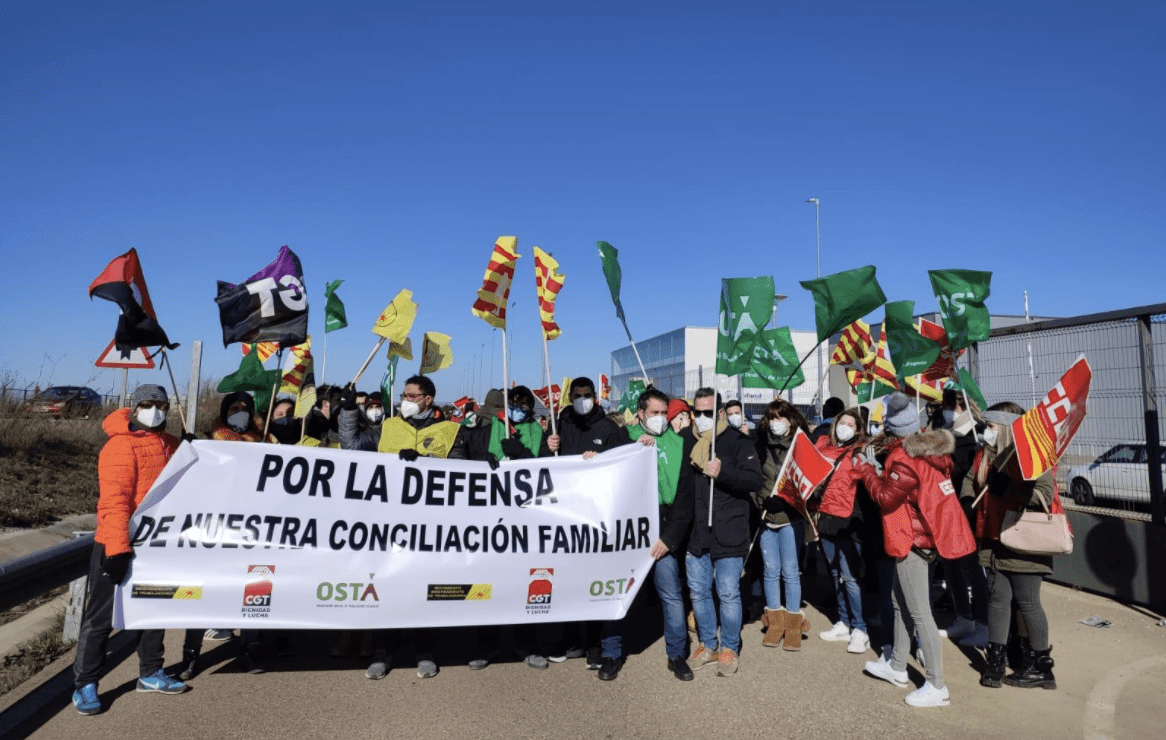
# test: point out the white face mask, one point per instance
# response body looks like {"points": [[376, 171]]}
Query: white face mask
{"points": [[409, 409], [990, 437], [703, 423], [876, 430], [151, 418], [656, 425], [238, 420], [583, 406], [375, 414], [779, 428], [844, 434], [735, 420]]}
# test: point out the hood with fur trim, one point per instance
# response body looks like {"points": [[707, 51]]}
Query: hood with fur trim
{"points": [[934, 442]]}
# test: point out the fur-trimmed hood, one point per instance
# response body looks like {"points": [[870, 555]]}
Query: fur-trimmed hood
{"points": [[935, 442]]}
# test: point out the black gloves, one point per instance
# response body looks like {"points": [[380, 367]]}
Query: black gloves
{"points": [[408, 455], [188, 437], [348, 398], [514, 449], [115, 566], [772, 505], [493, 461]]}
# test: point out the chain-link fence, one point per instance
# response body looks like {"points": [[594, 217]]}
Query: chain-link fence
{"points": [[1108, 462]]}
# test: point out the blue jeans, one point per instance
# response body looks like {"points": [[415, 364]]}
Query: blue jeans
{"points": [[844, 557], [779, 552], [961, 574], [727, 571], [667, 579]]}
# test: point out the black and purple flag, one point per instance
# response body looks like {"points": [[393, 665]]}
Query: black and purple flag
{"points": [[270, 306], [123, 283]]}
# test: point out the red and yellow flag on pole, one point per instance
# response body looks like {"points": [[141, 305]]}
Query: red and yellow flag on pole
{"points": [[495, 290], [549, 281], [944, 367], [853, 345], [877, 363], [293, 379], [265, 349], [1043, 433]]}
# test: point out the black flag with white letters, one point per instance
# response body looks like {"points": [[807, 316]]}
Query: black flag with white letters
{"points": [[270, 306]]}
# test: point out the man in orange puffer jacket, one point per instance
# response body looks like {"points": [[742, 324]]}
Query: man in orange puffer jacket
{"points": [[137, 451]]}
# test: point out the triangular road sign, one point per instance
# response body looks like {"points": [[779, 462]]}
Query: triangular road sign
{"points": [[111, 357]]}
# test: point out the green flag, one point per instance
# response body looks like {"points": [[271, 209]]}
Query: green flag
{"points": [[252, 377], [746, 307], [774, 360], [334, 317], [387, 381], [961, 295], [911, 352], [609, 256], [629, 400], [968, 385], [871, 390], [843, 298]]}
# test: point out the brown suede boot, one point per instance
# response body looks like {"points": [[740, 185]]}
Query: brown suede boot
{"points": [[793, 630], [774, 621]]}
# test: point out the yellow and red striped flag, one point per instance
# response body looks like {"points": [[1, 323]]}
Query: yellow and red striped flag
{"points": [[265, 349], [877, 363], [853, 345], [495, 290], [549, 281], [293, 380]]}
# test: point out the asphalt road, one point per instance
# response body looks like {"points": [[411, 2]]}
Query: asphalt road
{"points": [[1110, 684]]}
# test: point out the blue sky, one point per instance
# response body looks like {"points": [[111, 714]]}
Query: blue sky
{"points": [[389, 144]]}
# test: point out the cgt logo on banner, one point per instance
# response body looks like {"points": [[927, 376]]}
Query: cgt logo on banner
{"points": [[448, 542]]}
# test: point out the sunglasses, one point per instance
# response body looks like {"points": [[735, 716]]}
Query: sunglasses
{"points": [[706, 413]]}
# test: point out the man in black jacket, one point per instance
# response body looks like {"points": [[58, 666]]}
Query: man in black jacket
{"points": [[584, 429], [728, 473]]}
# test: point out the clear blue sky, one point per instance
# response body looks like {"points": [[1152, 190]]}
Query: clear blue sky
{"points": [[390, 143]]}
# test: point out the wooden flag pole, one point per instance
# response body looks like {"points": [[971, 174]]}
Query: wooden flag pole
{"points": [[505, 387], [647, 380], [550, 389], [366, 362], [799, 367], [324, 359], [274, 390], [177, 399]]}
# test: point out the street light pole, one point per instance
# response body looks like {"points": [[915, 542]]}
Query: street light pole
{"points": [[818, 263]]}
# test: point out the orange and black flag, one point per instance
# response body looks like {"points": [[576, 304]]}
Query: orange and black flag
{"points": [[549, 281], [123, 283], [495, 291]]}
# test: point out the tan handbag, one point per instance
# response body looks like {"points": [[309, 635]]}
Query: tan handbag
{"points": [[1037, 532]]}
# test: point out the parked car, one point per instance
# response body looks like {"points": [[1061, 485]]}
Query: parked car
{"points": [[66, 400], [1120, 474]]}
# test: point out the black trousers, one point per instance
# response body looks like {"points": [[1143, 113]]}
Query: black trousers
{"points": [[97, 623]]}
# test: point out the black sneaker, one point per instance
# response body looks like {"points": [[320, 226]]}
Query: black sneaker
{"points": [[595, 659], [609, 668], [680, 669]]}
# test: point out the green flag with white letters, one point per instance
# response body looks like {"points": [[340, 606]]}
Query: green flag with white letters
{"points": [[961, 295], [775, 359], [746, 307]]}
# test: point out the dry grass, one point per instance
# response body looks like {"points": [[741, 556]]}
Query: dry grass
{"points": [[33, 656]]}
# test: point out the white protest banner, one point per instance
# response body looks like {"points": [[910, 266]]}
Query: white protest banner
{"points": [[269, 536]]}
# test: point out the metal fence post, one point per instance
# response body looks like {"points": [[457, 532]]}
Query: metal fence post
{"points": [[1153, 454]]}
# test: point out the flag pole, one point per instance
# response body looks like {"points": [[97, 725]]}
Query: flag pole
{"points": [[362, 367], [324, 359], [647, 380], [799, 367], [547, 363], [274, 390], [177, 399], [955, 363], [505, 386]]}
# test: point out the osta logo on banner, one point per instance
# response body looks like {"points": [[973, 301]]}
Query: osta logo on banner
{"points": [[611, 590], [348, 594], [257, 592], [538, 590]]}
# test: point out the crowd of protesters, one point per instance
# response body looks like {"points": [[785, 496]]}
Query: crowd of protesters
{"points": [[914, 499]]}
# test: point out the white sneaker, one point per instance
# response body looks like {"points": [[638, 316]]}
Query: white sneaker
{"points": [[959, 629], [978, 638], [928, 696], [859, 642], [838, 633], [882, 669]]}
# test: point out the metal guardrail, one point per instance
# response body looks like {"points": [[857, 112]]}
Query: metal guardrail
{"points": [[31, 575]]}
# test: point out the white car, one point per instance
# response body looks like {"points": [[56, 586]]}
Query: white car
{"points": [[1121, 474]]}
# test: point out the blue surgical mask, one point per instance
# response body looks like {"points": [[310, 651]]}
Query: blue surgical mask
{"points": [[518, 415]]}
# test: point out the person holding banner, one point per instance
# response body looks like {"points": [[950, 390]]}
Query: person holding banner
{"points": [[723, 499], [237, 421], [841, 529], [137, 451], [674, 489], [783, 528], [1011, 574], [921, 519]]}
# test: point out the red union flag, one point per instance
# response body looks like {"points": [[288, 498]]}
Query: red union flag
{"points": [[804, 470], [944, 367], [548, 395], [1044, 432]]}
